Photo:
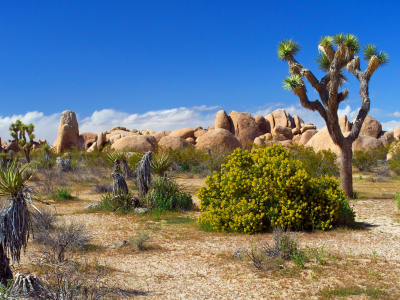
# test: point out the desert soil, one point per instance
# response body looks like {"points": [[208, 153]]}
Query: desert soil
{"points": [[182, 262]]}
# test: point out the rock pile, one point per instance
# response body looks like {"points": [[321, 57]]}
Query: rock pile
{"points": [[232, 131]]}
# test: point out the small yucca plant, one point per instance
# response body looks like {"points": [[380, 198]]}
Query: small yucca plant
{"points": [[161, 163], [15, 218]]}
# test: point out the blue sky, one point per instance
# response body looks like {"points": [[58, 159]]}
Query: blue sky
{"points": [[172, 64]]}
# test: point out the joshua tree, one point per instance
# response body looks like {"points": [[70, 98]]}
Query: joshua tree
{"points": [[336, 54], [15, 218], [18, 131]]}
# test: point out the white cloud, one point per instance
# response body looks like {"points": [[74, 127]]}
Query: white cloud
{"points": [[389, 126], [46, 127], [395, 114]]}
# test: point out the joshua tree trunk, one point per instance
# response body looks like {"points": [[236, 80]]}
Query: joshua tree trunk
{"points": [[5, 271], [346, 172]]}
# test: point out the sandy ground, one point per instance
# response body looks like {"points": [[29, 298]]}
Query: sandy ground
{"points": [[182, 262]]}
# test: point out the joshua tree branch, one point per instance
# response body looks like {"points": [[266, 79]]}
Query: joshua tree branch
{"points": [[297, 68], [342, 95]]}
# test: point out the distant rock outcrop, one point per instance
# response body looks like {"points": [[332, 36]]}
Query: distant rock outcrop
{"points": [[68, 132]]}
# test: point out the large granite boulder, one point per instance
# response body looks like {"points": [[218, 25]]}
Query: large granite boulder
{"points": [[86, 140], [280, 117], [173, 142], [263, 125], [142, 143], [183, 133], [68, 132], [216, 138], [159, 135], [244, 127], [222, 120], [286, 131], [323, 141], [371, 127], [386, 137]]}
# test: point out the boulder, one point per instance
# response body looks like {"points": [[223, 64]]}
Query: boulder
{"points": [[306, 136], [371, 127], [278, 137], [198, 128], [144, 132], [286, 143], [217, 138], [101, 140], [93, 147], [119, 128], [222, 120], [173, 142], [296, 131], [266, 137], [345, 125], [3, 144], [12, 146], [159, 135], [263, 126], [183, 133], [199, 133], [244, 127], [287, 132], [190, 140], [323, 141], [142, 143], [150, 131], [386, 137], [280, 117], [297, 138], [259, 141], [210, 128], [290, 120], [134, 131], [397, 133], [68, 132], [298, 122], [308, 127], [86, 140], [270, 119]]}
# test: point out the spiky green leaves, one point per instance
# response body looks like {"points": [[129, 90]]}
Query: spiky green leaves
{"points": [[371, 50], [351, 43], [13, 179], [287, 49], [294, 83], [323, 62], [326, 41]]}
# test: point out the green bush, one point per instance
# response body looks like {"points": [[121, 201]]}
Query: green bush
{"points": [[62, 194], [160, 163], [365, 160], [316, 163], [269, 188], [165, 194], [397, 199], [394, 155]]}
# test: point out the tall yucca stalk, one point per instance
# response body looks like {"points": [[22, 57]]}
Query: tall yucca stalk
{"points": [[15, 218]]}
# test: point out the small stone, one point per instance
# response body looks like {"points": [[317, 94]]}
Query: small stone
{"points": [[124, 243], [141, 210], [91, 206]]}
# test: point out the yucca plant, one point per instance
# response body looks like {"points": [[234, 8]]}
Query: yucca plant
{"points": [[161, 163], [15, 218]]}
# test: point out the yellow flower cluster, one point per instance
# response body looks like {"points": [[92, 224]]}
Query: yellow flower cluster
{"points": [[267, 188]]}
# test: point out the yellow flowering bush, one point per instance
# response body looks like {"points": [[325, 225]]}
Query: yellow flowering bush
{"points": [[268, 188]]}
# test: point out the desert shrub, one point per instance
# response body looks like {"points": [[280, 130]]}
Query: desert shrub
{"points": [[106, 203], [394, 155], [316, 163], [134, 158], [165, 194], [139, 240], [65, 237], [397, 199], [268, 188], [62, 194], [102, 188], [43, 219], [365, 160]]}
